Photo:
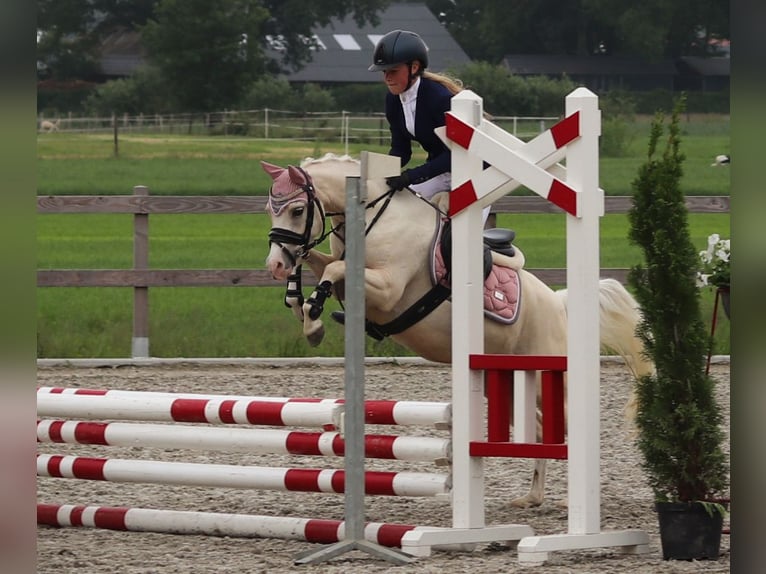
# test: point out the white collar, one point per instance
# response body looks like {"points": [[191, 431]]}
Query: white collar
{"points": [[411, 93]]}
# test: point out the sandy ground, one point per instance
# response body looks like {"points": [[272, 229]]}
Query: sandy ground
{"points": [[626, 501]]}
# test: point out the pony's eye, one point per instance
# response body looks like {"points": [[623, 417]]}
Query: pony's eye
{"points": [[298, 211]]}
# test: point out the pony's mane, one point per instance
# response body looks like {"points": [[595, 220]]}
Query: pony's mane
{"points": [[328, 157]]}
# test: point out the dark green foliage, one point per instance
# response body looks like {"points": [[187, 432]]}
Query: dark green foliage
{"points": [[678, 419], [145, 92]]}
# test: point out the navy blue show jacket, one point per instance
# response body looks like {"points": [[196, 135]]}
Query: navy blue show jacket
{"points": [[432, 103]]}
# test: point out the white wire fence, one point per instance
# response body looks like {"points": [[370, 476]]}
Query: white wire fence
{"points": [[266, 123]]}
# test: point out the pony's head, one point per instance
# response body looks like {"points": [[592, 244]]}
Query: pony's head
{"points": [[290, 184], [295, 226]]}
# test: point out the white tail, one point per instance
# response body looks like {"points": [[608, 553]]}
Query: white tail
{"points": [[619, 316]]}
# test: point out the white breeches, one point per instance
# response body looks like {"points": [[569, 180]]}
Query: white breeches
{"points": [[442, 182]]}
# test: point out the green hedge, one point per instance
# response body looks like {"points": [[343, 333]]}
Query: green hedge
{"points": [[503, 94]]}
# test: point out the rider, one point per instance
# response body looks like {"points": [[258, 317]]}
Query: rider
{"points": [[416, 102]]}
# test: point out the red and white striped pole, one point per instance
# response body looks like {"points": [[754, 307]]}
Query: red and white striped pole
{"points": [[227, 439], [225, 409], [235, 476], [213, 524]]}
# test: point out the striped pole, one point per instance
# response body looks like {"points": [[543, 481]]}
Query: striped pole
{"points": [[252, 441], [226, 409], [213, 524], [234, 476], [189, 410]]}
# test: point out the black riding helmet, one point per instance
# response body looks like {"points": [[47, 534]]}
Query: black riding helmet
{"points": [[399, 47]]}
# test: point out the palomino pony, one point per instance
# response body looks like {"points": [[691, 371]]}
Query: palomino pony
{"points": [[307, 204]]}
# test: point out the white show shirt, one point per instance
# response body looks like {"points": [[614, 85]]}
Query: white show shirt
{"points": [[409, 99]]}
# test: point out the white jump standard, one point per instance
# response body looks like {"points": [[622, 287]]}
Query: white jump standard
{"points": [[575, 189]]}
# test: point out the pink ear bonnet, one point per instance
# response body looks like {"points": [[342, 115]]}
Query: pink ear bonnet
{"points": [[289, 185]]}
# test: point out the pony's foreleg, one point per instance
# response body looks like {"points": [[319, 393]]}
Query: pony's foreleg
{"points": [[294, 300], [313, 328], [294, 295]]}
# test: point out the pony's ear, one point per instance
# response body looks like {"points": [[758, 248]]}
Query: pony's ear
{"points": [[273, 170], [297, 176]]}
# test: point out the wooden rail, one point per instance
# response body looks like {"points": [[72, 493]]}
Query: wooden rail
{"points": [[169, 204], [141, 278]]}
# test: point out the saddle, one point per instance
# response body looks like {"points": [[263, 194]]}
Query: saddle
{"points": [[501, 261], [497, 239]]}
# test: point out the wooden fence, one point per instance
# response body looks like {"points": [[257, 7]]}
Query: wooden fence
{"points": [[141, 278]]}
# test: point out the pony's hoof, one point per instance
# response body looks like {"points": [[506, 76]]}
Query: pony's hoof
{"points": [[316, 336], [525, 502]]}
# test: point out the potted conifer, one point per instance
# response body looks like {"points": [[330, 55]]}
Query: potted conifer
{"points": [[677, 417]]}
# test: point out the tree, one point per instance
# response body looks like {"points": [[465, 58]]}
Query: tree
{"points": [[204, 49], [212, 50], [652, 29], [65, 44], [677, 416], [209, 51], [70, 31]]}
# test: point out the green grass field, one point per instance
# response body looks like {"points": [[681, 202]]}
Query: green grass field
{"points": [[239, 321]]}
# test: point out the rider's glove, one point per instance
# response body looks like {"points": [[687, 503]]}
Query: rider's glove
{"points": [[399, 182]]}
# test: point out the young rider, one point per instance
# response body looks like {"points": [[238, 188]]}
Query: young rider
{"points": [[416, 102]]}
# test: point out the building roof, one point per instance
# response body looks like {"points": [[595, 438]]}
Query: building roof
{"points": [[121, 53], [346, 48]]}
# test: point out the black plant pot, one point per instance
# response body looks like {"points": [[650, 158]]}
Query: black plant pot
{"points": [[688, 531], [725, 301]]}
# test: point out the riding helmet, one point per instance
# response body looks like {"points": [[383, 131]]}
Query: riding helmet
{"points": [[398, 47]]}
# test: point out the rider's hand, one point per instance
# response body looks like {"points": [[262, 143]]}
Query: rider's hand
{"points": [[399, 182]]}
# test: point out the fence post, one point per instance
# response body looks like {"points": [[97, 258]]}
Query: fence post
{"points": [[140, 343], [345, 129], [116, 138]]}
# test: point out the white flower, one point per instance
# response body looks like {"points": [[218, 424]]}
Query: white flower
{"points": [[715, 262]]}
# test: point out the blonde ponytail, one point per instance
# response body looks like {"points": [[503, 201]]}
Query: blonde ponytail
{"points": [[454, 85]]}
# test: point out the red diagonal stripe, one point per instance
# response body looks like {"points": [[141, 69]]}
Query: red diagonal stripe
{"points": [[566, 130], [458, 131], [461, 197], [564, 196]]}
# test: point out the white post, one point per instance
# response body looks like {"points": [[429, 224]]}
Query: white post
{"points": [[468, 320], [583, 347]]}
